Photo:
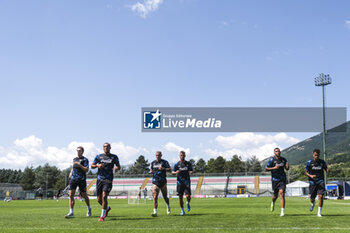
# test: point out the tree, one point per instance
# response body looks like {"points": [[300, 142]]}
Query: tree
{"points": [[19, 176], [193, 163], [296, 172], [216, 165], [336, 170], [28, 178], [63, 179], [140, 166], [254, 164], [124, 170], [48, 173], [200, 166], [235, 164]]}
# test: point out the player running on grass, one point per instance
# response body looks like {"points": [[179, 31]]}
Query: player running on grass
{"points": [[277, 165], [105, 164], [183, 170], [314, 170], [159, 182], [78, 178]]}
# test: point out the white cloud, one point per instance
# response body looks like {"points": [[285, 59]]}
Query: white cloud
{"points": [[249, 144], [261, 152], [30, 151], [143, 9], [347, 23], [172, 147], [248, 140], [127, 154]]}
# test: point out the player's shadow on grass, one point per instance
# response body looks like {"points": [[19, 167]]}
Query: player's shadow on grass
{"points": [[194, 215], [296, 215], [324, 215], [335, 215], [127, 219]]}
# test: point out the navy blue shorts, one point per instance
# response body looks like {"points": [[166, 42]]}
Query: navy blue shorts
{"points": [[103, 186], [73, 184], [183, 188], [316, 189], [277, 186]]}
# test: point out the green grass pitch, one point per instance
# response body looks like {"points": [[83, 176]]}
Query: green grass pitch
{"points": [[207, 215]]}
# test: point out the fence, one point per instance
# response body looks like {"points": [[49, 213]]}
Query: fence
{"points": [[204, 184]]}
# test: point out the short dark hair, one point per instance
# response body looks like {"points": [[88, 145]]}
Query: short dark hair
{"points": [[160, 153], [183, 152], [317, 151], [80, 147], [277, 149]]}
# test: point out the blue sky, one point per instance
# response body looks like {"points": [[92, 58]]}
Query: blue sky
{"points": [[78, 72]]}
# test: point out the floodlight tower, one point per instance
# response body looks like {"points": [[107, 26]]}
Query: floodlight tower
{"points": [[323, 80]]}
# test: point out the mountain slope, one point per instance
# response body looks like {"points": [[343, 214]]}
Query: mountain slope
{"points": [[338, 147]]}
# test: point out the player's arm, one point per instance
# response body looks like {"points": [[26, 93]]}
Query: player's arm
{"points": [[117, 167], [190, 169], [96, 163], [85, 169], [309, 175], [272, 168], [175, 170], [116, 163], [70, 174], [287, 166], [167, 167], [151, 169], [307, 171], [269, 168], [326, 168]]}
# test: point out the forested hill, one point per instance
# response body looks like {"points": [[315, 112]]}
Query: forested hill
{"points": [[338, 147]]}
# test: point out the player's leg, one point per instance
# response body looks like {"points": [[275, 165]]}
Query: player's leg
{"points": [[104, 200], [87, 201], [106, 188], [71, 199], [320, 200], [188, 195], [283, 202], [86, 197], [164, 190], [312, 192], [320, 192], [99, 198], [155, 193], [320, 205], [181, 204], [104, 197], [71, 203], [180, 193], [72, 188], [82, 188], [274, 196], [99, 188]]}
